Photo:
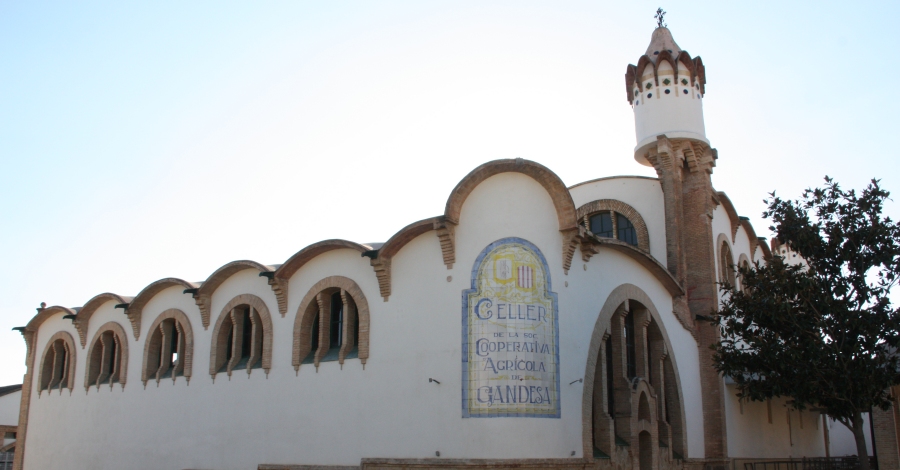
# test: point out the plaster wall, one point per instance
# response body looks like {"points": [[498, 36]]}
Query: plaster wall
{"points": [[337, 415], [642, 193], [676, 114], [789, 435], [9, 409]]}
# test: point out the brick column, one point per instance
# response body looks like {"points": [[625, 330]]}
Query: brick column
{"points": [[684, 169], [885, 439]]}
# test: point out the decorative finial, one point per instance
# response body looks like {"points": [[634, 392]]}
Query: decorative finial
{"points": [[660, 13], [43, 304]]}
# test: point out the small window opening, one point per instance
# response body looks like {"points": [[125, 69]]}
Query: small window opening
{"points": [[601, 225], [627, 233], [315, 335], [630, 356], [337, 321], [610, 397], [247, 337]]}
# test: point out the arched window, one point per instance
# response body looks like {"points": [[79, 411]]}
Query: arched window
{"points": [[242, 338], [58, 363], [626, 231], [726, 264], [332, 324], [609, 218], [107, 357], [168, 352]]}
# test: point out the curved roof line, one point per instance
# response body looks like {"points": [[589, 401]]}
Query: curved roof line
{"points": [[406, 235], [45, 313], [300, 258], [227, 270], [137, 304], [562, 200], [84, 315], [612, 178], [644, 259], [732, 213]]}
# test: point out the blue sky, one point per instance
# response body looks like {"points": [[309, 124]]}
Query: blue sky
{"points": [[167, 139]]}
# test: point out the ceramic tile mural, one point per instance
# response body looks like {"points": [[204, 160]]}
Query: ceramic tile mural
{"points": [[510, 341]]}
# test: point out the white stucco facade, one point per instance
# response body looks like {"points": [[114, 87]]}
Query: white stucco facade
{"points": [[617, 379]]}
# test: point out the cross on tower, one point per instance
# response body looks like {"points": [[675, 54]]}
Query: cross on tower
{"points": [[660, 13]]}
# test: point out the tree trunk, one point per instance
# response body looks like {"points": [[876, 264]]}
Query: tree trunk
{"points": [[859, 433]]}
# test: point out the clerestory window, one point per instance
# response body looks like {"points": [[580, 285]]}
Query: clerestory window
{"points": [[107, 357]]}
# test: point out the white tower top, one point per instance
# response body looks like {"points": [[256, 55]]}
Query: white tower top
{"points": [[665, 90]]}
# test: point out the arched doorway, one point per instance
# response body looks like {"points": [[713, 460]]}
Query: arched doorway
{"points": [[632, 391]]}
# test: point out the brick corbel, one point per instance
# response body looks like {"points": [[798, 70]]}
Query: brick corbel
{"points": [[280, 288], [446, 232], [203, 302], [382, 268], [135, 319]]}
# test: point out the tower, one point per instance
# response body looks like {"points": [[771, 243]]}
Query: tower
{"points": [[666, 90]]}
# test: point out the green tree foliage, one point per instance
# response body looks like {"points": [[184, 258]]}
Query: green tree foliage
{"points": [[823, 334]]}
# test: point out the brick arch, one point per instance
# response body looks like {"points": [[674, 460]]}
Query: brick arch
{"points": [[614, 301], [665, 56], [643, 235], [722, 240], [562, 200], [188, 332], [204, 294], [217, 351], [279, 281], [69, 344], [302, 342], [84, 315], [136, 307], [122, 337], [642, 64], [684, 59]]}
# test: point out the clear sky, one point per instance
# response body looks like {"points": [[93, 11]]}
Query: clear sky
{"points": [[166, 139]]}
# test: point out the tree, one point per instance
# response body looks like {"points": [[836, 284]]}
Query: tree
{"points": [[823, 334]]}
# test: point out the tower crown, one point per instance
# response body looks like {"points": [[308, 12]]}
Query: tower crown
{"points": [[665, 90]]}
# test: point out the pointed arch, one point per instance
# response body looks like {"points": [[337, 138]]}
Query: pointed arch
{"points": [[642, 64], [684, 60], [136, 307], [204, 294]]}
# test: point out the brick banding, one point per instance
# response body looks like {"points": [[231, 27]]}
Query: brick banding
{"points": [[218, 347], [306, 313]]}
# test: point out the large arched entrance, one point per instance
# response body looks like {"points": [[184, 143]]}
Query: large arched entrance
{"points": [[632, 393]]}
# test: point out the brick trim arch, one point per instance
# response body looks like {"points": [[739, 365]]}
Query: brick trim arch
{"points": [[722, 240], [614, 301], [279, 281], [136, 307], [208, 287], [217, 351], [562, 200], [84, 315], [601, 205], [187, 331], [122, 343], [302, 341], [69, 344]]}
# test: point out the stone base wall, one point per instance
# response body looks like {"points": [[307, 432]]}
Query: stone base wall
{"points": [[621, 461]]}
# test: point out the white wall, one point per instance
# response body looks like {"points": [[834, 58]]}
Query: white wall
{"points": [[642, 193], [9, 408]]}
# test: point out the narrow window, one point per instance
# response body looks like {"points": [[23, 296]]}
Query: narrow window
{"points": [[247, 337], [111, 360], [337, 320], [315, 335], [63, 366], [627, 233], [601, 225], [629, 346], [173, 356], [610, 397], [229, 341]]}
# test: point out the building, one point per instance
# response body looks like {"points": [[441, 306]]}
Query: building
{"points": [[531, 325]]}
